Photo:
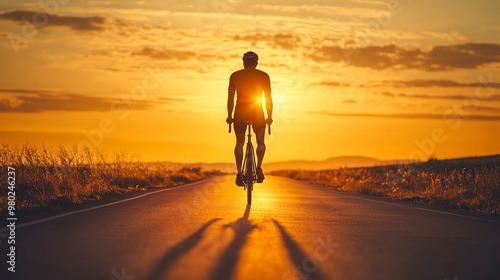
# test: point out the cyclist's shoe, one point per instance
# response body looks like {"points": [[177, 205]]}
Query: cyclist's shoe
{"points": [[260, 175], [239, 180]]}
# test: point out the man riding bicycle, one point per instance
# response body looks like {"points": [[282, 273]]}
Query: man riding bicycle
{"points": [[248, 84]]}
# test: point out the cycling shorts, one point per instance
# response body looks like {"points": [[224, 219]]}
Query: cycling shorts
{"points": [[243, 114]]}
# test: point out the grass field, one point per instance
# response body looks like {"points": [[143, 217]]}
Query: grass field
{"points": [[53, 178], [471, 185]]}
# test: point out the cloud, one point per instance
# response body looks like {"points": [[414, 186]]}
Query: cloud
{"points": [[441, 96], [331, 84], [320, 10], [482, 109], [166, 54], [371, 2], [36, 101], [416, 116], [466, 56], [169, 99], [281, 40], [412, 83], [436, 83], [41, 19]]}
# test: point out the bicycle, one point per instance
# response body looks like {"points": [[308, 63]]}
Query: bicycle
{"points": [[249, 166]]}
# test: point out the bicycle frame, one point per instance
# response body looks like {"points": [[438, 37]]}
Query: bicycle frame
{"points": [[249, 166]]}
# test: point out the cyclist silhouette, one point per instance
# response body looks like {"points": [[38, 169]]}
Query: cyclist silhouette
{"points": [[248, 85]]}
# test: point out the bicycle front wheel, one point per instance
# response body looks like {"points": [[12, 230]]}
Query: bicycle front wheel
{"points": [[249, 180]]}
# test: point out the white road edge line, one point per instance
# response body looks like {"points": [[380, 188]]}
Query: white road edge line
{"points": [[357, 196], [100, 206], [424, 209]]}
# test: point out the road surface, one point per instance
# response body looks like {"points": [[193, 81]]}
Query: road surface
{"points": [[293, 230]]}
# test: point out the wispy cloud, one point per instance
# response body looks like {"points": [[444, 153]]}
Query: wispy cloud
{"points": [[166, 54], [391, 56], [371, 2], [482, 109], [439, 96], [331, 84], [435, 83], [411, 116], [41, 19], [279, 40], [36, 101], [316, 10], [349, 101], [410, 84]]}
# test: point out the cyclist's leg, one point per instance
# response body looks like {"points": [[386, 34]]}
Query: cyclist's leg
{"points": [[261, 146], [261, 150], [259, 128], [239, 131], [238, 149]]}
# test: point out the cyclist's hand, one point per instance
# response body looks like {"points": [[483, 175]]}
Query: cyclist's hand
{"points": [[269, 121], [229, 120]]}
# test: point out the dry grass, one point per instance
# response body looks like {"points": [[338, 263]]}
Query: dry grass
{"points": [[472, 185], [51, 178]]}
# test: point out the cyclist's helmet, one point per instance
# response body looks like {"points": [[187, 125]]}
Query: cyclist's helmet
{"points": [[250, 55]]}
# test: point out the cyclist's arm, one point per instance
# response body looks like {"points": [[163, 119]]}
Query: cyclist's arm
{"points": [[230, 103], [230, 98], [269, 99]]}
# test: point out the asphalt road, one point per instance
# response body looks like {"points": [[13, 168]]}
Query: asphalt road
{"points": [[292, 230]]}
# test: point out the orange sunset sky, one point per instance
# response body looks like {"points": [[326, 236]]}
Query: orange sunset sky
{"points": [[354, 77]]}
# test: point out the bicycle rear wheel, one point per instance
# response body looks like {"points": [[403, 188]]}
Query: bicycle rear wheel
{"points": [[249, 173]]}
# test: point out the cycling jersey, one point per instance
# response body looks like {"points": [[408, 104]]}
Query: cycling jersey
{"points": [[249, 83]]}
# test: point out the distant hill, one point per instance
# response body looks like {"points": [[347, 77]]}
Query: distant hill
{"points": [[467, 161], [331, 163]]}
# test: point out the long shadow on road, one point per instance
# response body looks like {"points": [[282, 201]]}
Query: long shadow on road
{"points": [[175, 253], [301, 261], [229, 259]]}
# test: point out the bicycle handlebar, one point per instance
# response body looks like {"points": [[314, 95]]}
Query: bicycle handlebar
{"points": [[268, 128]]}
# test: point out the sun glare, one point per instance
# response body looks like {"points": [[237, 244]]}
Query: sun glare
{"points": [[259, 100]]}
